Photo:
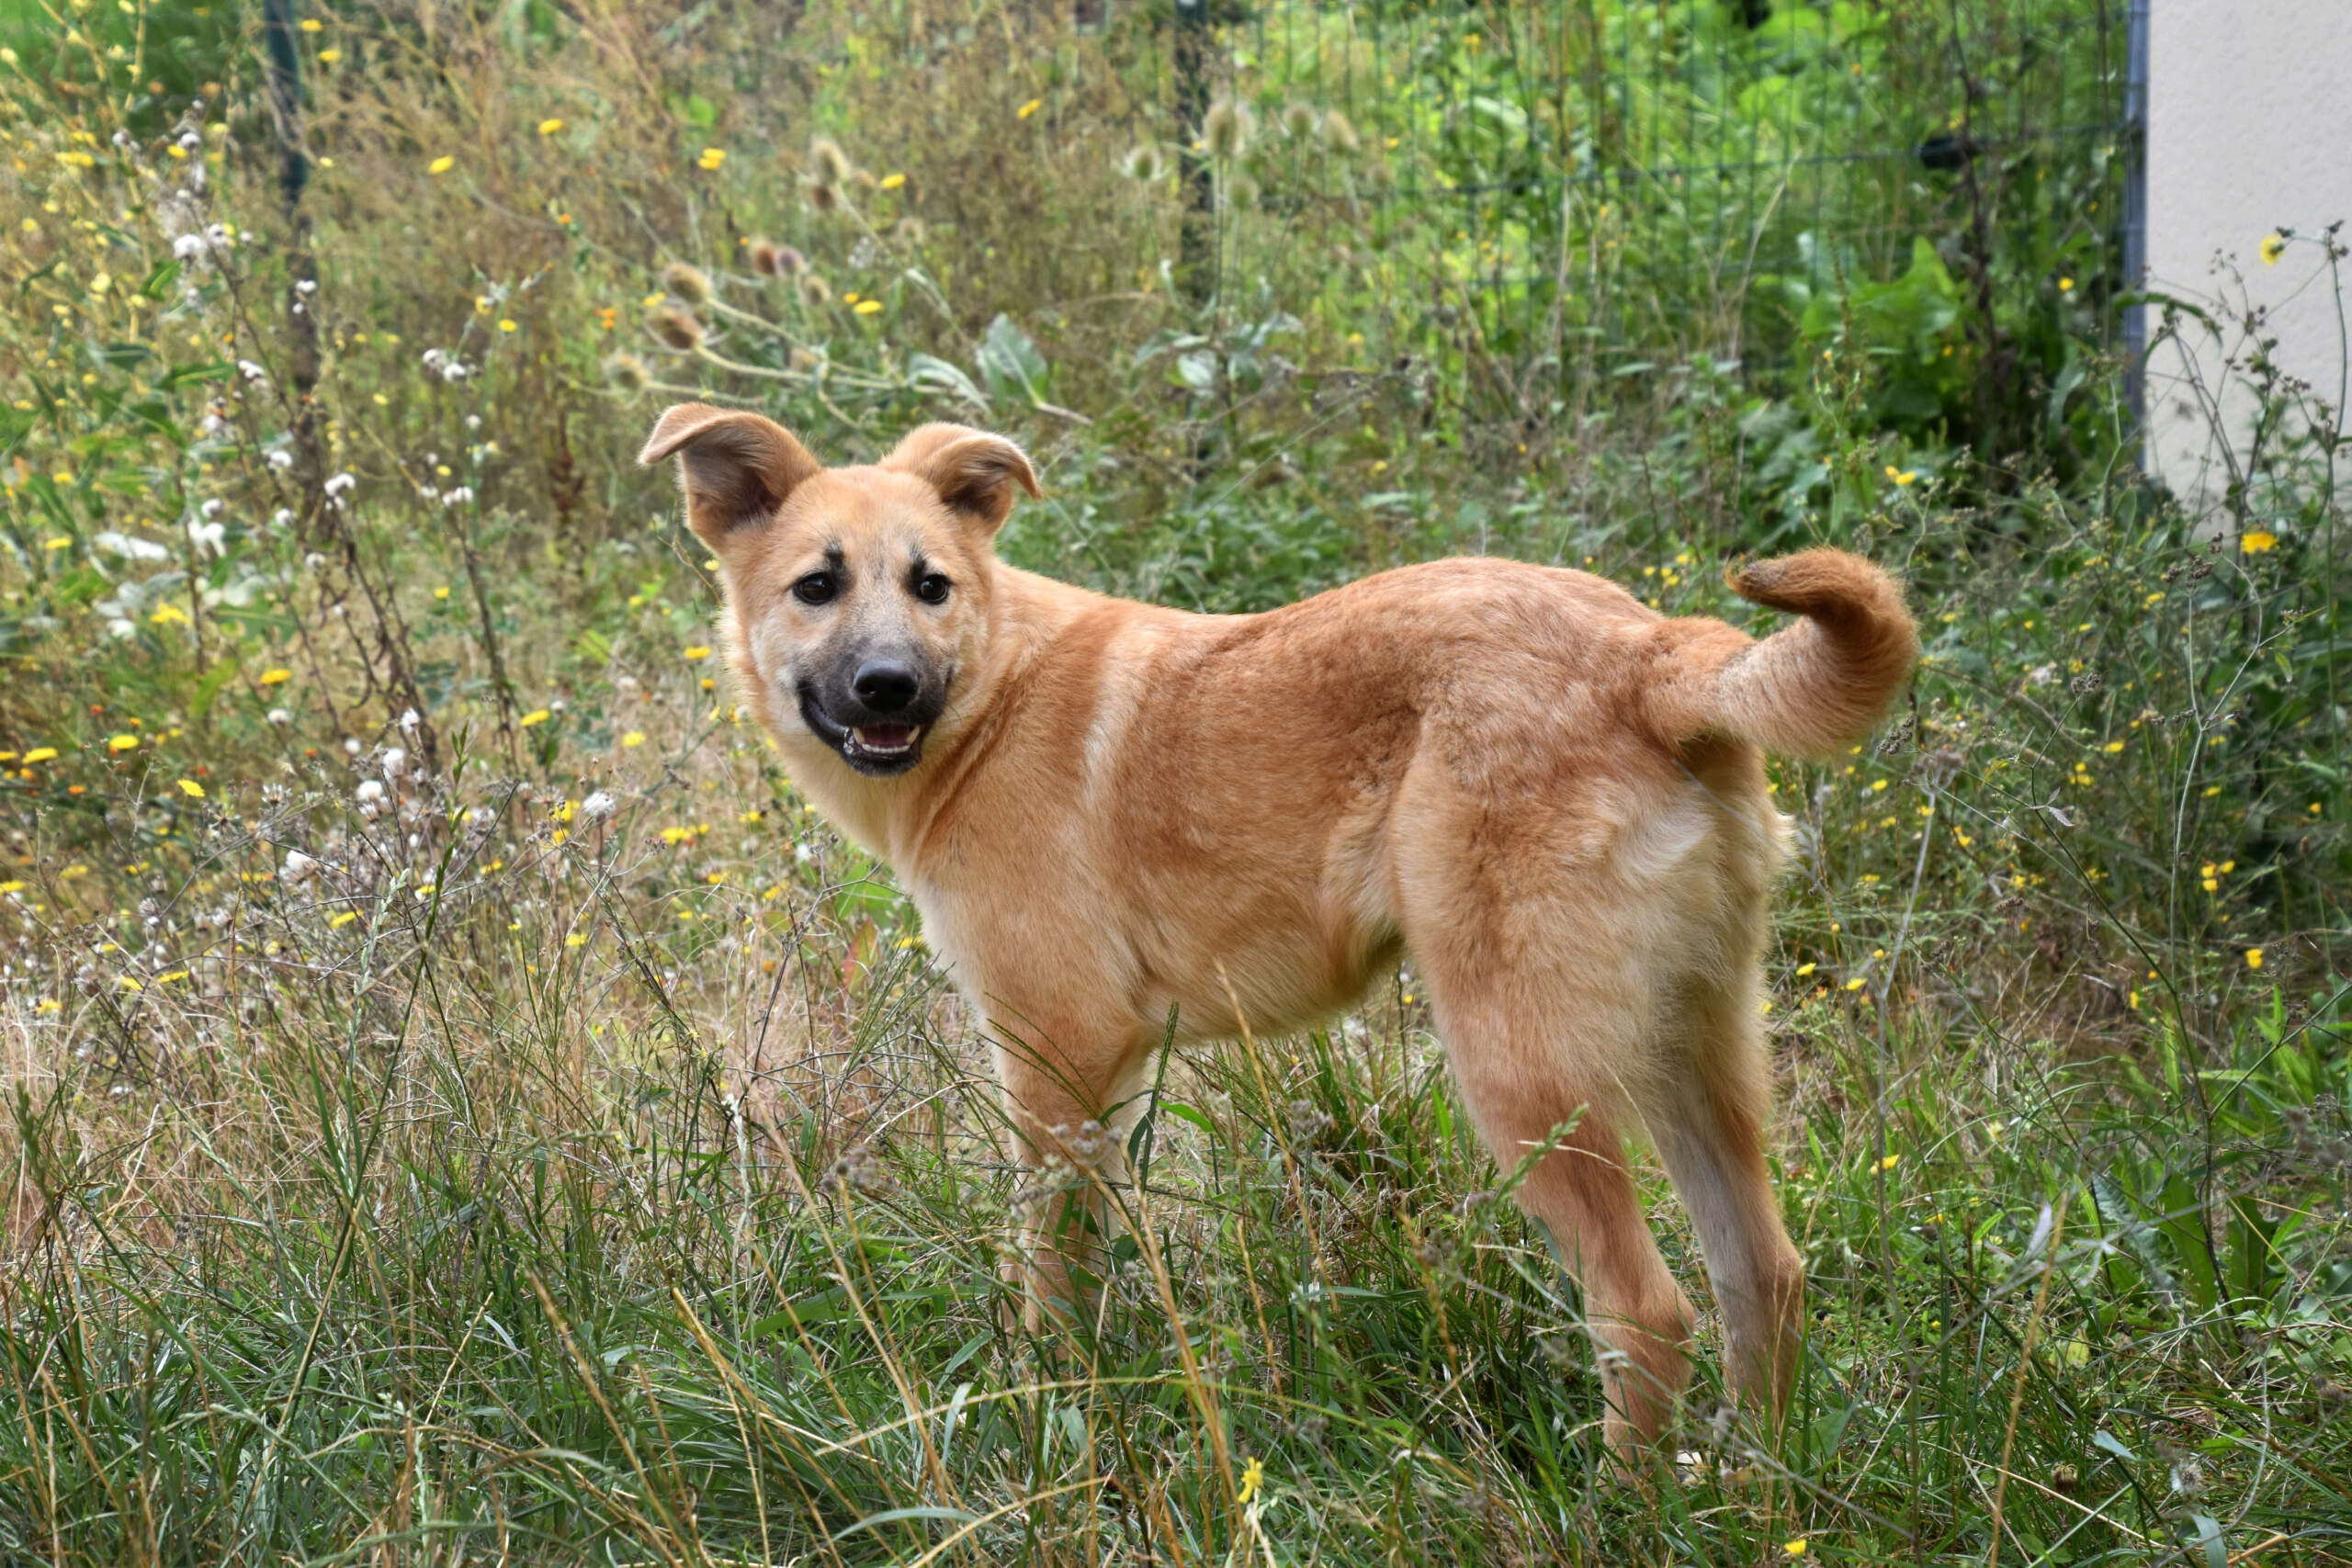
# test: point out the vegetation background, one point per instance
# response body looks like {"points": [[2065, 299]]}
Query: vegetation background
{"points": [[462, 1107]]}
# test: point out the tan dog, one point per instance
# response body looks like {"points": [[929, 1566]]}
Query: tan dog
{"points": [[1550, 795]]}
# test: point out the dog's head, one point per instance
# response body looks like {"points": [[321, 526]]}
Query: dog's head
{"points": [[859, 596]]}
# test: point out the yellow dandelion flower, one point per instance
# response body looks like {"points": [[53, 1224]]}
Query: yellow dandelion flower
{"points": [[41, 753], [550, 127], [2112, 747], [128, 984], [1025, 110], [1889, 1162], [339, 921], [174, 974], [633, 737], [276, 677], [441, 166], [577, 939], [312, 25], [167, 613], [2274, 245], [1252, 1478], [868, 307], [192, 789], [2065, 285], [330, 56], [2255, 541], [1855, 984], [697, 651], [1795, 1546], [123, 743], [892, 182], [14, 884], [2253, 958], [536, 715], [505, 323], [711, 158], [59, 543]]}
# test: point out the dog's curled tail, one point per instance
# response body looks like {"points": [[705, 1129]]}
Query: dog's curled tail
{"points": [[1809, 690]]}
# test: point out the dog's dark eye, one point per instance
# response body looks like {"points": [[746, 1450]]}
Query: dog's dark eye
{"points": [[817, 588], [931, 589]]}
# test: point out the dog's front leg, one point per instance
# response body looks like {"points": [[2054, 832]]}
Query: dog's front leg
{"points": [[1059, 1089]]}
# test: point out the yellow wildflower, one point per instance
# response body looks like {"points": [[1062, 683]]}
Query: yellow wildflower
{"points": [[41, 753], [2274, 245], [697, 651], [276, 677], [1794, 1547], [550, 127], [123, 743], [711, 158], [633, 737], [2253, 958], [441, 166], [867, 307], [536, 715], [892, 182], [1025, 110], [2255, 541], [192, 789]]}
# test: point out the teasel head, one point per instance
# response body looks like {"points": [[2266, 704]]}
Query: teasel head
{"points": [[824, 198], [675, 328], [828, 164], [815, 290], [1227, 129], [1299, 119], [1340, 133], [765, 257], [687, 284], [1242, 193], [1143, 163], [628, 374]]}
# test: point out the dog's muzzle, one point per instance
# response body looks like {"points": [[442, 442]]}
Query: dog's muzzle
{"points": [[875, 717]]}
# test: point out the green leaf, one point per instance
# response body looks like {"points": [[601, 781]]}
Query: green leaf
{"points": [[1010, 361]]}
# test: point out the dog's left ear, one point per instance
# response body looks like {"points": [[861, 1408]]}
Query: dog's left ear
{"points": [[974, 472], [737, 467]]}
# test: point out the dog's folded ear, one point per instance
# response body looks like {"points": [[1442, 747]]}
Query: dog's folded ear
{"points": [[974, 472], [737, 467]]}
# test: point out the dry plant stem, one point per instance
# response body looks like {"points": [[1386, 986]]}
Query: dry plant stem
{"points": [[2025, 1365]]}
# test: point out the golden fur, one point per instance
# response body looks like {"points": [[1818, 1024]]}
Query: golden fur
{"points": [[1551, 795]]}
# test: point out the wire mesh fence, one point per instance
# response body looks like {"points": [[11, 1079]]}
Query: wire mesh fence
{"points": [[1582, 188]]}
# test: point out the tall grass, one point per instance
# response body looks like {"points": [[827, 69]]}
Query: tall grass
{"points": [[463, 1107]]}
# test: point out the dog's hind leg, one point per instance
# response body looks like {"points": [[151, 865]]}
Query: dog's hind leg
{"points": [[1706, 1115], [1513, 1056]]}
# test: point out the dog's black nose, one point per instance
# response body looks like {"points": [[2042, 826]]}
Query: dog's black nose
{"points": [[884, 684]]}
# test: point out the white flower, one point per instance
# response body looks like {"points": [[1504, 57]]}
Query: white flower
{"points": [[395, 762], [281, 517], [462, 495], [118, 544], [340, 484], [410, 719], [314, 560], [212, 508], [216, 235], [599, 806], [350, 746], [307, 286], [298, 869], [252, 372], [279, 458], [280, 716], [188, 247], [190, 141], [211, 537], [370, 791]]}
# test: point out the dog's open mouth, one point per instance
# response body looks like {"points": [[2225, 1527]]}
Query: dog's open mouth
{"points": [[886, 740], [877, 750]]}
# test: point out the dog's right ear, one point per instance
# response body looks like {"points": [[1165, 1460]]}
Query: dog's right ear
{"points": [[737, 467]]}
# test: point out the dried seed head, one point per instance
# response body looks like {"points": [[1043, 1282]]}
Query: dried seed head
{"points": [[688, 284], [764, 257], [1227, 129], [1299, 119], [1241, 192], [675, 328], [627, 372], [909, 230], [1143, 163], [824, 198], [815, 290], [1340, 133], [789, 263], [828, 164]]}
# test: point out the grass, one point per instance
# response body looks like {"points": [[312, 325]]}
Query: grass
{"points": [[463, 1107]]}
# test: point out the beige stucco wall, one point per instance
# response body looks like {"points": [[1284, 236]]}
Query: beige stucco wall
{"points": [[2249, 130]]}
